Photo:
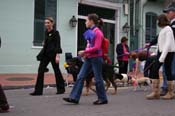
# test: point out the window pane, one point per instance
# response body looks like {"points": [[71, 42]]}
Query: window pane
{"points": [[43, 8], [105, 13], [51, 8], [108, 30], [81, 30], [39, 9], [151, 26]]}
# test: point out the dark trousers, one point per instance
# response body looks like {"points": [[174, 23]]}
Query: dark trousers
{"points": [[150, 62], [58, 75], [3, 99], [123, 67], [168, 67]]}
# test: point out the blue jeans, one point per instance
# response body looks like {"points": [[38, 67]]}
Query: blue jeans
{"points": [[165, 82], [173, 67], [94, 64]]}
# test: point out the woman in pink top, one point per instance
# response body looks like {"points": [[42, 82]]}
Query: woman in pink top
{"points": [[122, 51], [93, 61]]}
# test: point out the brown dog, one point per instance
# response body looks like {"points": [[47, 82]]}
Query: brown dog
{"points": [[108, 77]]}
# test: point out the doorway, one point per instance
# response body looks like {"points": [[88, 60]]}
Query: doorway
{"points": [[109, 27]]}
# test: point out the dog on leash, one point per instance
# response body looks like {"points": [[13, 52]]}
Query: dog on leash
{"points": [[107, 72], [122, 78], [141, 82]]}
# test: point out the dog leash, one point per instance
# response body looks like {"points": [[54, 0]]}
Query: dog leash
{"points": [[149, 66], [147, 60], [136, 50]]}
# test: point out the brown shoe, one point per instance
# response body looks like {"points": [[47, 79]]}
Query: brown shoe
{"points": [[170, 94], [155, 94]]}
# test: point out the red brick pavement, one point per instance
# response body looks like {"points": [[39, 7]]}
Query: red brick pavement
{"points": [[49, 79]]}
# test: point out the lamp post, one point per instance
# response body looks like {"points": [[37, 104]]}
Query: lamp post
{"points": [[126, 28], [73, 21]]}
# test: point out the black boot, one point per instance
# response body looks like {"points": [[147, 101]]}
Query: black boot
{"points": [[4, 108], [36, 94], [61, 91], [69, 100], [98, 102], [3, 101]]}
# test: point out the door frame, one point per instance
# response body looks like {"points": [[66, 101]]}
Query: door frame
{"points": [[104, 4]]}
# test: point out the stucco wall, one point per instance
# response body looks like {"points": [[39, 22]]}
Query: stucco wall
{"points": [[16, 31]]}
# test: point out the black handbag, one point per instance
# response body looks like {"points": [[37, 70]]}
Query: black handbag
{"points": [[40, 56], [0, 42]]}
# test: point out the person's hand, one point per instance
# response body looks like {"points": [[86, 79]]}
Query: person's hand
{"points": [[161, 61], [57, 58], [127, 53], [81, 53]]}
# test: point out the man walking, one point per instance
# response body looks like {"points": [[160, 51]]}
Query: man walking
{"points": [[170, 12]]}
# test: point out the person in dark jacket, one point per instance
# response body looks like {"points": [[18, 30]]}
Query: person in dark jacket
{"points": [[4, 106], [50, 53], [122, 51]]}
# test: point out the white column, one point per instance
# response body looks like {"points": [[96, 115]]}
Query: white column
{"points": [[142, 29]]}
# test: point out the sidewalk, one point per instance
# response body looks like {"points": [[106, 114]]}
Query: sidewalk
{"points": [[16, 81]]}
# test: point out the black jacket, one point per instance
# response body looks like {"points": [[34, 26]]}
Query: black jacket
{"points": [[52, 45], [120, 50], [173, 27]]}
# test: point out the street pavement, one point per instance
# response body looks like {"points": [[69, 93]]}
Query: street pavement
{"points": [[126, 103]]}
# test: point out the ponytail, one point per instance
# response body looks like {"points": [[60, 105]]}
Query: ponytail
{"points": [[100, 23], [95, 18]]}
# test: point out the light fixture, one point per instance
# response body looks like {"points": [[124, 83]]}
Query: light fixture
{"points": [[73, 21], [126, 28]]}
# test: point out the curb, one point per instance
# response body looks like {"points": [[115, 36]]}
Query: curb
{"points": [[25, 87]]}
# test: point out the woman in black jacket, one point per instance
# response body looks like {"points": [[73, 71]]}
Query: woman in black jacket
{"points": [[50, 53]]}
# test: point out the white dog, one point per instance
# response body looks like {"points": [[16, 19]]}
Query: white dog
{"points": [[142, 81], [122, 78]]}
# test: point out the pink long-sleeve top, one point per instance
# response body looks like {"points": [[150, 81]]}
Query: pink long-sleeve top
{"points": [[96, 50]]}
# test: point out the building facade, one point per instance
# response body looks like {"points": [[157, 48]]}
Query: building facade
{"points": [[22, 29], [143, 21]]}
